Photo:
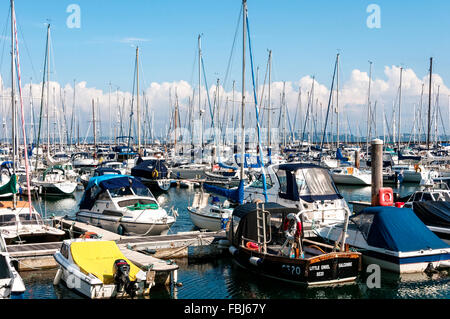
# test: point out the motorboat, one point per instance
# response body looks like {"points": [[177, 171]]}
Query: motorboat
{"points": [[189, 171], [413, 173], [307, 187], [84, 160], [54, 181], [124, 205], [212, 215], [97, 269], [268, 240], [11, 284], [154, 172], [349, 175], [393, 238], [432, 206]]}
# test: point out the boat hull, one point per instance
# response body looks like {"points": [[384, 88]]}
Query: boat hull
{"points": [[212, 223], [327, 269], [123, 227]]}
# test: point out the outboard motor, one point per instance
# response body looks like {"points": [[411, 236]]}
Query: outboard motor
{"points": [[122, 278]]}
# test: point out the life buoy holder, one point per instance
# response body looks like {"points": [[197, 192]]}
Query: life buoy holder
{"points": [[292, 227], [252, 246], [417, 168], [89, 235], [155, 173]]}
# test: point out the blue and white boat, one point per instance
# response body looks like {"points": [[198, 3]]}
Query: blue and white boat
{"points": [[394, 238], [122, 204]]}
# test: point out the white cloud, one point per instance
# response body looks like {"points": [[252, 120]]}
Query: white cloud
{"points": [[352, 99]]}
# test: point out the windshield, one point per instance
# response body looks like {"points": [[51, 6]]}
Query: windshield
{"points": [[29, 219], [258, 183], [315, 182]]}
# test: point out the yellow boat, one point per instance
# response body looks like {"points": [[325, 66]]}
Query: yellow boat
{"points": [[97, 269]]}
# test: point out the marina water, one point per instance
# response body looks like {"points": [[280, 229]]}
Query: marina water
{"points": [[221, 278]]}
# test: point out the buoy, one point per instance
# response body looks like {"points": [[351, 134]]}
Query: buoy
{"points": [[255, 261], [57, 277], [233, 250]]}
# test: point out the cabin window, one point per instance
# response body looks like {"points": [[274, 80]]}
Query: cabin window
{"points": [[29, 219], [7, 220], [427, 197], [260, 184], [281, 174]]}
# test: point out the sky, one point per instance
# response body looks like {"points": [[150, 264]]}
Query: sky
{"points": [[304, 37]]}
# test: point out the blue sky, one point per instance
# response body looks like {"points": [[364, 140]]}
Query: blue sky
{"points": [[304, 37]]}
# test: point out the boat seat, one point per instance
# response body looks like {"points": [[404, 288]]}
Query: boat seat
{"points": [[98, 257]]}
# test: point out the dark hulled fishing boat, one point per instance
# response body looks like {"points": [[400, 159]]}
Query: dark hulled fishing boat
{"points": [[268, 240]]}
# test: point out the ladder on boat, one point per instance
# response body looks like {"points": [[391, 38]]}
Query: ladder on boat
{"points": [[261, 227]]}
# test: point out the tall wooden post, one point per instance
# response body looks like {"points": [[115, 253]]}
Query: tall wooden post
{"points": [[377, 169]]}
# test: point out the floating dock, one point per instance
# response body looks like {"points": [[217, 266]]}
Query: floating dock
{"points": [[146, 252]]}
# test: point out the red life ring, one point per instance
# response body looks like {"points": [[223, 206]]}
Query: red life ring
{"points": [[386, 197], [292, 230]]}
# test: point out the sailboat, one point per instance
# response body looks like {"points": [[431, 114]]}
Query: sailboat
{"points": [[19, 221]]}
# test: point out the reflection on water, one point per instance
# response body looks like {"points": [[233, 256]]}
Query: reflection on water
{"points": [[221, 278]]}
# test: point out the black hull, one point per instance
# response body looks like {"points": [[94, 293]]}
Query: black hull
{"points": [[328, 269]]}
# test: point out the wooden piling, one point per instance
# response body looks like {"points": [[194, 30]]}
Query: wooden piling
{"points": [[377, 169], [357, 164]]}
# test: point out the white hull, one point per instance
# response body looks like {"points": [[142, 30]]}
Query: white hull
{"points": [[130, 227], [202, 221], [347, 179]]}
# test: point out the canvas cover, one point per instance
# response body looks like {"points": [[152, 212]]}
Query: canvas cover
{"points": [[396, 229], [98, 257], [433, 213]]}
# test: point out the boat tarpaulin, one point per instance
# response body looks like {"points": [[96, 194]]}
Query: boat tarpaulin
{"points": [[98, 257], [151, 169], [10, 187], [234, 194], [396, 229], [433, 213]]}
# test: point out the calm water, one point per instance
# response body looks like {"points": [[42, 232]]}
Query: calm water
{"points": [[223, 279]]}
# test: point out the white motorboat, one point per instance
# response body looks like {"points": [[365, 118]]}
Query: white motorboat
{"points": [[307, 187], [122, 204], [11, 284], [98, 269], [211, 216], [54, 181], [394, 238], [189, 171], [351, 176], [413, 173]]}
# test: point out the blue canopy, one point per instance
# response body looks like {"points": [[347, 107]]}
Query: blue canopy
{"points": [[100, 184], [234, 194], [396, 229]]}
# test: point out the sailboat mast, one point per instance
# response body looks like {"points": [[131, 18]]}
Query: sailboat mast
{"points": [[337, 101], [244, 36], [13, 87], [368, 108], [399, 107], [269, 110], [137, 101], [429, 105]]}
